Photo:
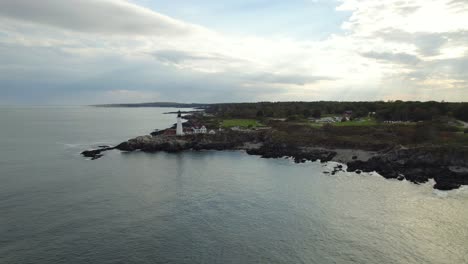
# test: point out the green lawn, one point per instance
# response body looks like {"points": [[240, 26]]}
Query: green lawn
{"points": [[367, 122], [313, 124], [240, 123]]}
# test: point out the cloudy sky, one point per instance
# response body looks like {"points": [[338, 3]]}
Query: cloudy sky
{"points": [[108, 51]]}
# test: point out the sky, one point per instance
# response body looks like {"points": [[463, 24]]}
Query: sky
{"points": [[128, 51]]}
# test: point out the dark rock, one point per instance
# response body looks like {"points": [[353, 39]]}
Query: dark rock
{"points": [[446, 186], [418, 166], [269, 150], [449, 180], [95, 153], [104, 146]]}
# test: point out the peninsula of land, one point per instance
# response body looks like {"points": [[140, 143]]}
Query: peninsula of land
{"points": [[411, 141]]}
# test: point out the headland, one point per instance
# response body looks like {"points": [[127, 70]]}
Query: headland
{"points": [[412, 150]]}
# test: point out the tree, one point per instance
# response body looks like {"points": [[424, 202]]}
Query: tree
{"points": [[462, 112], [260, 114], [293, 118], [421, 114], [306, 113], [317, 113]]}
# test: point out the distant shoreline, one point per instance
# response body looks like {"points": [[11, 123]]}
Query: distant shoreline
{"points": [[156, 104]]}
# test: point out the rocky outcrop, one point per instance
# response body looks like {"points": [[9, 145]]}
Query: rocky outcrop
{"points": [[220, 141], [96, 153], [271, 150], [155, 144], [418, 165]]}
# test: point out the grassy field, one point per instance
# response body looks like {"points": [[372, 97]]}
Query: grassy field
{"points": [[366, 122], [240, 123]]}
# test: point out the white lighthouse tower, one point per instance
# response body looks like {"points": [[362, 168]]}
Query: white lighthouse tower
{"points": [[179, 129]]}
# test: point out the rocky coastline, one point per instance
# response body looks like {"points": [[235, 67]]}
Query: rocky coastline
{"points": [[448, 167]]}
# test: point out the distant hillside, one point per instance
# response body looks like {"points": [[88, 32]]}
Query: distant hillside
{"points": [[156, 104]]}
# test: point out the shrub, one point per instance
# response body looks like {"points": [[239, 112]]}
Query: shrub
{"points": [[293, 118]]}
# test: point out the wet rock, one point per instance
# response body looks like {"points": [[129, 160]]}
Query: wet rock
{"points": [[95, 153], [271, 150], [418, 166], [446, 186]]}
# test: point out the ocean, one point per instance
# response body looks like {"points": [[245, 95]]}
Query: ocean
{"points": [[201, 207]]}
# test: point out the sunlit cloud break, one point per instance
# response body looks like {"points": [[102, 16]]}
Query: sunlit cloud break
{"points": [[104, 51]]}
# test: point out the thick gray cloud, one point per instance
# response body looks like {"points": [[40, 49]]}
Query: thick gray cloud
{"points": [[91, 16], [455, 68], [428, 44], [178, 56], [295, 79], [46, 75], [109, 50], [398, 58], [445, 79]]}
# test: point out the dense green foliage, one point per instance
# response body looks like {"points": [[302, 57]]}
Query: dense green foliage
{"points": [[371, 137], [392, 111], [244, 123]]}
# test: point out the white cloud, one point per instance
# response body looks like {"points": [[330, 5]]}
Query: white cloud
{"points": [[94, 16], [385, 43]]}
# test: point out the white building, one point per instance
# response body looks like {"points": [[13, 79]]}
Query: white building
{"points": [[179, 128], [199, 130], [326, 120]]}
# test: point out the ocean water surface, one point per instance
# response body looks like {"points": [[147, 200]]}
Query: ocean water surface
{"points": [[201, 207]]}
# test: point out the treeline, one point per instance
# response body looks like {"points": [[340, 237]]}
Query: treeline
{"points": [[392, 111]]}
